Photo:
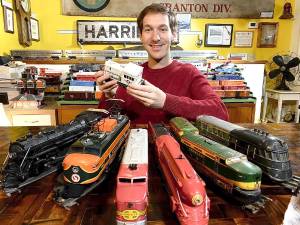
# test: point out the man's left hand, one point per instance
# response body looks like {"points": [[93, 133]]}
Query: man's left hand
{"points": [[147, 94]]}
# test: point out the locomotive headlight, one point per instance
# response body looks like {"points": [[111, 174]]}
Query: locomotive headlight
{"points": [[197, 199]]}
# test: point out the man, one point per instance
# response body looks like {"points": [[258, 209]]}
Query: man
{"points": [[171, 88]]}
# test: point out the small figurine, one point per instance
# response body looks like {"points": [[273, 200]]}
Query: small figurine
{"points": [[287, 11]]}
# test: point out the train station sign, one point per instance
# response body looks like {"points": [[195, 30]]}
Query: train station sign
{"points": [[198, 9]]}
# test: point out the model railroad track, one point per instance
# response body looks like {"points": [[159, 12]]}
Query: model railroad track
{"points": [[256, 206], [293, 184]]}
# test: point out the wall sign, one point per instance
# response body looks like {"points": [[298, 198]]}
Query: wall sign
{"points": [[198, 9], [97, 32], [104, 32]]}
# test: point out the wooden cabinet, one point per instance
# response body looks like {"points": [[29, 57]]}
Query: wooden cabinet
{"points": [[238, 112], [66, 113], [241, 112]]}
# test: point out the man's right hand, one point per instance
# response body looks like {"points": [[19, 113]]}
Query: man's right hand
{"points": [[108, 86]]}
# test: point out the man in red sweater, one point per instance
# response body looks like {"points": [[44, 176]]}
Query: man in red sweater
{"points": [[171, 88]]}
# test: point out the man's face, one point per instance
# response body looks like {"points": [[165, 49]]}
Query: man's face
{"points": [[156, 36]]}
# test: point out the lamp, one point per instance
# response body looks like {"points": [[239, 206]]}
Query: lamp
{"points": [[4, 122]]}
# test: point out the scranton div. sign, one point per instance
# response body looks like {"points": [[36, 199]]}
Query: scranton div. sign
{"points": [[198, 9]]}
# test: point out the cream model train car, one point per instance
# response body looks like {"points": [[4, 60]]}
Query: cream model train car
{"points": [[125, 74]]}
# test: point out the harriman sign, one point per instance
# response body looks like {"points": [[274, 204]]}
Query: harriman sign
{"points": [[95, 32], [104, 32]]}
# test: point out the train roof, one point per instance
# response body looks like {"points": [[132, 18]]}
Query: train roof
{"points": [[219, 123], [183, 124], [217, 149], [136, 151]]}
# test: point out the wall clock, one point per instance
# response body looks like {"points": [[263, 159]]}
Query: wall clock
{"points": [[23, 12], [91, 5]]}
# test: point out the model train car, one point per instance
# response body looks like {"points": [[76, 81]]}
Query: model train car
{"points": [[226, 168], [35, 156], [90, 158], [132, 181], [268, 152], [186, 189], [124, 74]]}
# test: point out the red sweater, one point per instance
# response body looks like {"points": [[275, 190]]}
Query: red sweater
{"points": [[188, 94]]}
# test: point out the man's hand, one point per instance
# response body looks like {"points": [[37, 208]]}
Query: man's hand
{"points": [[148, 94], [109, 87]]}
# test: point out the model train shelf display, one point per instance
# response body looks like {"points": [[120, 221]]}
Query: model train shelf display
{"points": [[265, 150], [186, 189], [132, 181], [33, 157], [125, 74], [90, 158], [224, 167]]}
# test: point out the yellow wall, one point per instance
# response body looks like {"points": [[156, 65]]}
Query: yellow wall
{"points": [[48, 12]]}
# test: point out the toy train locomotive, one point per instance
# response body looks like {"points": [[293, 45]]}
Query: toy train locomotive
{"points": [[186, 189], [132, 181], [226, 168], [124, 74], [90, 158], [33, 157], [268, 152]]}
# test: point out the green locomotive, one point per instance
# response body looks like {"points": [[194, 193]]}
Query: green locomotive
{"points": [[223, 166]]}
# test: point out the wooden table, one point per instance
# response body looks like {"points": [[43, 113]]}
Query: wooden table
{"points": [[35, 205], [281, 96]]}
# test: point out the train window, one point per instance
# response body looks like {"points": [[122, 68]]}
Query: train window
{"points": [[124, 180], [139, 180]]}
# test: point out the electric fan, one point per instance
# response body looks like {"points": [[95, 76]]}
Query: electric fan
{"points": [[284, 69]]}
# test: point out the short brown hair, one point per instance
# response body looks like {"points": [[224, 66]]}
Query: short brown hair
{"points": [[157, 8]]}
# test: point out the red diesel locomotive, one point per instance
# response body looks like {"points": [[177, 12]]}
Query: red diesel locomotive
{"points": [[186, 189], [132, 181]]}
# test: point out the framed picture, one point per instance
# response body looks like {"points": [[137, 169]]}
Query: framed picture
{"points": [[8, 19], [267, 35], [218, 35], [184, 21], [243, 39], [35, 33]]}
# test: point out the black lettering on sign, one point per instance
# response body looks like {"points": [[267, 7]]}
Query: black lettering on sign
{"points": [[113, 29], [101, 32], [88, 31], [125, 30]]}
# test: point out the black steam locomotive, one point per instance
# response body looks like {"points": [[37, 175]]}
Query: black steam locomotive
{"points": [[33, 157], [265, 150]]}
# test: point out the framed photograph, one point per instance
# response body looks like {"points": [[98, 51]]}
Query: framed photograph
{"points": [[218, 35], [184, 21], [35, 33], [243, 39], [8, 19], [267, 35]]}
